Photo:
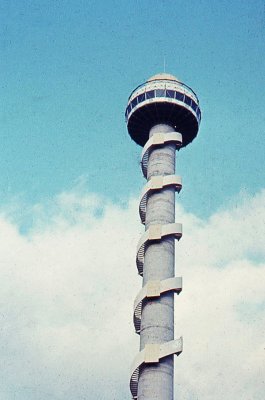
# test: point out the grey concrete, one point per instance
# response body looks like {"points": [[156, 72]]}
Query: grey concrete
{"points": [[157, 326]]}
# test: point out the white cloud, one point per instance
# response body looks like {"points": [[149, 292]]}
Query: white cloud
{"points": [[68, 287]]}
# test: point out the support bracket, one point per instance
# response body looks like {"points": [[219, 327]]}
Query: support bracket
{"points": [[157, 183], [158, 140], [153, 234], [152, 354], [153, 289]]}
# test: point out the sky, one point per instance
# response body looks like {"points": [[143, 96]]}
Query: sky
{"points": [[70, 182]]}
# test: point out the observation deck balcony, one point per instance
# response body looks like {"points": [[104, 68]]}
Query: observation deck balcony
{"points": [[163, 101]]}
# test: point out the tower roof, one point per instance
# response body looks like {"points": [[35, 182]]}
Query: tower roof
{"points": [[164, 76]]}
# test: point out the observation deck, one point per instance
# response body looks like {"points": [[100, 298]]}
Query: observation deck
{"points": [[163, 99]]}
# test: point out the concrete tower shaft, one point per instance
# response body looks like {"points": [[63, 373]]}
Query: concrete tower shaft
{"points": [[155, 110], [157, 323]]}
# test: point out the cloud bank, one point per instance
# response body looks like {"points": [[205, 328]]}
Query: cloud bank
{"points": [[67, 290]]}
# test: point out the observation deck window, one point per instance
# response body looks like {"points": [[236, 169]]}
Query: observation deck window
{"points": [[179, 96], [141, 97], [187, 100], [193, 105], [150, 94], [160, 92], [170, 93], [134, 102]]}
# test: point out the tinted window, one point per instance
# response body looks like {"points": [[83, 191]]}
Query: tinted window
{"points": [[134, 102], [199, 113], [193, 105], [179, 96], [141, 97], [150, 94], [187, 100], [160, 92], [170, 93]]}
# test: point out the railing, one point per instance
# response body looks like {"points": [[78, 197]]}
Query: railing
{"points": [[164, 93], [177, 83]]}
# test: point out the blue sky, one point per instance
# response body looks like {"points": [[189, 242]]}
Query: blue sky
{"points": [[69, 185], [68, 67]]}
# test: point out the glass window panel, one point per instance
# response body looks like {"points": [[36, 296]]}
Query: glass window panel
{"points": [[193, 105], [150, 94], [170, 93], [187, 100], [199, 113], [141, 97], [179, 96], [134, 102], [160, 92]]}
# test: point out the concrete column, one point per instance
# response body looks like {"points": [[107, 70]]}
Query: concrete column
{"points": [[157, 326]]}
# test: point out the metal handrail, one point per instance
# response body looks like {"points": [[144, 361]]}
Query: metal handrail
{"points": [[163, 80]]}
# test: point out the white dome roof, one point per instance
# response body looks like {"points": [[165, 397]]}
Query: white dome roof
{"points": [[163, 76]]}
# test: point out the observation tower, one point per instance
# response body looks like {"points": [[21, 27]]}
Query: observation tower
{"points": [[162, 115]]}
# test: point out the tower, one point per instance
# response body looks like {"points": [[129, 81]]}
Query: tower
{"points": [[162, 115]]}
